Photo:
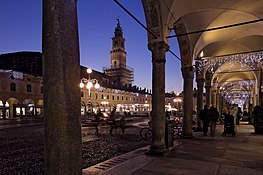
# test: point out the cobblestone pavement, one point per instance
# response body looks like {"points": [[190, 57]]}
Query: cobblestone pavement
{"points": [[22, 148]]}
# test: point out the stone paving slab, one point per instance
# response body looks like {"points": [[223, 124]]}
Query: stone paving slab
{"points": [[219, 155]]}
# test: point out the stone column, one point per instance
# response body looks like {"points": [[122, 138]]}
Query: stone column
{"points": [[213, 97], [21, 110], [188, 75], [208, 94], [11, 109], [4, 109], [61, 77], [158, 97], [200, 92]]}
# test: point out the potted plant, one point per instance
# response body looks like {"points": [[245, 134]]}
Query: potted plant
{"points": [[258, 119]]}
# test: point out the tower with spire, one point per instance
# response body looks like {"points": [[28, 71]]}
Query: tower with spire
{"points": [[118, 70]]}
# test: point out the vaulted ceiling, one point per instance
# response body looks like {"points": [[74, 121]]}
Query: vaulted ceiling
{"points": [[200, 15]]}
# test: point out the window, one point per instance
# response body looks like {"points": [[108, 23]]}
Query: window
{"points": [[113, 97], [41, 90], [29, 88], [96, 96], [102, 97], [12, 87]]}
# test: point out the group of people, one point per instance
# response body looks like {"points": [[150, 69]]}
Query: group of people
{"points": [[112, 121], [209, 117], [115, 124]]}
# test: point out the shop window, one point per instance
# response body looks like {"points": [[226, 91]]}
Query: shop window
{"points": [[12, 87], [29, 88]]}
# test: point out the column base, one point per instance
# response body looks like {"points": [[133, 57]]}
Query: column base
{"points": [[157, 151]]}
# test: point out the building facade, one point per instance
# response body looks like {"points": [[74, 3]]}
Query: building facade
{"points": [[21, 85]]}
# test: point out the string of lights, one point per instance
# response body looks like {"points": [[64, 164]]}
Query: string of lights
{"points": [[247, 61]]}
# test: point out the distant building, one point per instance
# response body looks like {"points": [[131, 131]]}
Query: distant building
{"points": [[118, 70], [21, 85]]}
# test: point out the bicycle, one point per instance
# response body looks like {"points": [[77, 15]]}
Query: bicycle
{"points": [[178, 130], [146, 133]]}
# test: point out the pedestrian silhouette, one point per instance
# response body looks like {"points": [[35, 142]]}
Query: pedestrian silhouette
{"points": [[205, 119]]}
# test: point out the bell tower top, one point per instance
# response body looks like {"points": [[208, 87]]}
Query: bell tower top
{"points": [[122, 74], [118, 29]]}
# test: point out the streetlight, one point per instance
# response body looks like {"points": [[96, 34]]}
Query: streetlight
{"points": [[89, 83]]}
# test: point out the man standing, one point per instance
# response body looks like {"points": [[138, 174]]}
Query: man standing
{"points": [[205, 119], [213, 117]]}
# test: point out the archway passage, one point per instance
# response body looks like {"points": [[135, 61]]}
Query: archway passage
{"points": [[207, 31]]}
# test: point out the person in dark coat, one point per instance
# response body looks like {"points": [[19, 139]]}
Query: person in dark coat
{"points": [[205, 119], [239, 115], [123, 122], [112, 121], [213, 117]]}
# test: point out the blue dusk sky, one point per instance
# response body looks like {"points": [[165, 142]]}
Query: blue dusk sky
{"points": [[21, 30]]}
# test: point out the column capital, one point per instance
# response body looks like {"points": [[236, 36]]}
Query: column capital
{"points": [[158, 50], [188, 72]]}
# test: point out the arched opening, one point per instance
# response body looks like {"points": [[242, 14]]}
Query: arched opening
{"points": [[4, 110], [14, 108], [28, 108], [40, 108]]}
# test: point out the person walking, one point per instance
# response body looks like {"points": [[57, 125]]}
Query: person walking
{"points": [[123, 122], [205, 119], [98, 117], [213, 118], [112, 121], [239, 115]]}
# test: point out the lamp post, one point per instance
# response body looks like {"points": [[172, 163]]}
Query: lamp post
{"points": [[89, 83]]}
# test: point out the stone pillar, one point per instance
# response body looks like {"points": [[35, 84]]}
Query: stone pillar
{"points": [[158, 97], [188, 75], [200, 92], [213, 97], [21, 110], [208, 94], [4, 109], [61, 77], [11, 109]]}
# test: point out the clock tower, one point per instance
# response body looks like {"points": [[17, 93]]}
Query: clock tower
{"points": [[118, 70]]}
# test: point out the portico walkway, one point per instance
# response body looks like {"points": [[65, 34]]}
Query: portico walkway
{"points": [[219, 155]]}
